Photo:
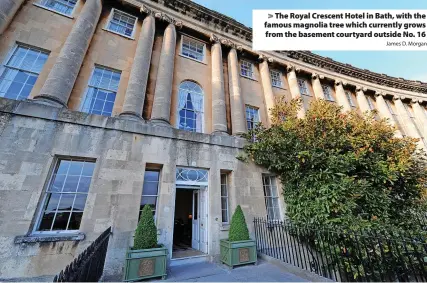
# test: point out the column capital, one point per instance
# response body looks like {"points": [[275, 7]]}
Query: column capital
{"points": [[161, 16], [416, 101], [361, 88], [379, 93], [225, 42], [315, 76], [340, 82], [290, 68], [262, 58], [397, 97]]}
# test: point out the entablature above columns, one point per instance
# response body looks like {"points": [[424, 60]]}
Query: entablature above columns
{"points": [[235, 35]]}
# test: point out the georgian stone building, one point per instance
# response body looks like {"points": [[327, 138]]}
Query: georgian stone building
{"points": [[109, 105]]}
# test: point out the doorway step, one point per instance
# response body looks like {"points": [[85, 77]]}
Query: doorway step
{"points": [[189, 260]]}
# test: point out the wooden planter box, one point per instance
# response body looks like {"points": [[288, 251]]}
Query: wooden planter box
{"points": [[143, 264], [238, 253]]}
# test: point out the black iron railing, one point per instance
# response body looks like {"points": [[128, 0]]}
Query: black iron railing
{"points": [[345, 256], [89, 265]]}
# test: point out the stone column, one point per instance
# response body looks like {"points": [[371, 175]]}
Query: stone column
{"points": [[421, 116], [267, 87], [317, 86], [362, 101], [135, 93], [341, 97], [60, 81], [238, 120], [219, 117], [294, 88], [8, 9], [384, 113], [408, 124], [163, 93]]}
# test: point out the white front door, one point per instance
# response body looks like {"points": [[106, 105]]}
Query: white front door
{"points": [[203, 219], [195, 239]]}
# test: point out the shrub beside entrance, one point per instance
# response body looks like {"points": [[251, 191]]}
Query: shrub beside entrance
{"points": [[146, 259], [238, 249]]}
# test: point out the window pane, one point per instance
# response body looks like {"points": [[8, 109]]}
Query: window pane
{"points": [[46, 221], [57, 183], [79, 203], [150, 188], [151, 175], [224, 203], [66, 203], [75, 168], [84, 184], [88, 168], [61, 221], [76, 218], [148, 200], [71, 183], [224, 216], [52, 201]]}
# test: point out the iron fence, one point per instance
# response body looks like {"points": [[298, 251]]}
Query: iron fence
{"points": [[345, 256], [89, 265]]}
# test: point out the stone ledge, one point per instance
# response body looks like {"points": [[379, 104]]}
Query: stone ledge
{"points": [[33, 109], [48, 238]]}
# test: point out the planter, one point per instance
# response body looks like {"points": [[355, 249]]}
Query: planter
{"points": [[238, 253], [143, 264]]}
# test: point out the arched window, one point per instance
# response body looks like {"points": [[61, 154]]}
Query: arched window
{"points": [[190, 107]]}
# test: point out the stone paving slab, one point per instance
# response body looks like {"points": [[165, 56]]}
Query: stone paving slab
{"points": [[212, 272]]}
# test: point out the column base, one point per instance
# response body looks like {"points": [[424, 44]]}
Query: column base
{"points": [[220, 133], [131, 116], [49, 100], [161, 122]]}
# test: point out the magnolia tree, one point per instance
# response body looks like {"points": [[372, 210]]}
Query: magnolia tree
{"points": [[341, 169]]}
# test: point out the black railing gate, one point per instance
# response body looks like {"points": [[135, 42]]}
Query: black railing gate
{"points": [[89, 265], [345, 256]]}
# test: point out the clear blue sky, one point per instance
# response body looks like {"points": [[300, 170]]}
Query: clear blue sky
{"points": [[405, 64]]}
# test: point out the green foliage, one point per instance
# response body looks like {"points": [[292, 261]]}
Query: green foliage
{"points": [[341, 170], [238, 228], [146, 232]]}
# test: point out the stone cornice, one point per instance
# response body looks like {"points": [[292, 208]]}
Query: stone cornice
{"points": [[234, 34]]}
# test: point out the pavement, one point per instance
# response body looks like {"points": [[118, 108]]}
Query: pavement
{"points": [[212, 272]]}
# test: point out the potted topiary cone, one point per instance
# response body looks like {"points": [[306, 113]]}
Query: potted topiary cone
{"points": [[146, 259], [238, 249]]}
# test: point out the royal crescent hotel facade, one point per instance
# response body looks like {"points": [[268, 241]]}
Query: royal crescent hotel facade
{"points": [[106, 106]]}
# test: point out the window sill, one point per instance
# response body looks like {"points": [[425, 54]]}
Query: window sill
{"points": [[192, 59], [122, 35], [52, 10], [49, 238], [279, 87], [225, 227], [249, 78]]}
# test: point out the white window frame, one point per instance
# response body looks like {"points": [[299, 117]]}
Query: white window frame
{"points": [[279, 76], [186, 37], [82, 102], [43, 6], [4, 66], [110, 17], [251, 71], [350, 98], [156, 196], [279, 218], [327, 92], [226, 197], [246, 116], [302, 81], [201, 112], [39, 210]]}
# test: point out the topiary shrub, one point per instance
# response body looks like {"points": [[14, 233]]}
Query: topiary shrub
{"points": [[146, 232], [238, 228]]}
